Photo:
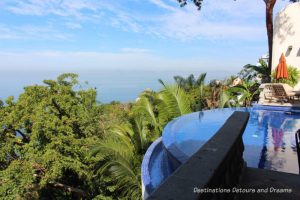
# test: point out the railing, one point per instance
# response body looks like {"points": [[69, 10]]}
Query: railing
{"points": [[214, 169]]}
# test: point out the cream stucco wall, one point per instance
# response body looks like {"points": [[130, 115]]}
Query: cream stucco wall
{"points": [[287, 33]]}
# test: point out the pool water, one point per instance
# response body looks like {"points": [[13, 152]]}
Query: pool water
{"points": [[269, 139]]}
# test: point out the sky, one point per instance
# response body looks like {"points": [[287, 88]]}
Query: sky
{"points": [[131, 34]]}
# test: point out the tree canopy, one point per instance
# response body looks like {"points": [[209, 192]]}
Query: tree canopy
{"points": [[57, 142], [44, 137]]}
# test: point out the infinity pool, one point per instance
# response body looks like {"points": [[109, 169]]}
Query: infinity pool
{"points": [[269, 140]]}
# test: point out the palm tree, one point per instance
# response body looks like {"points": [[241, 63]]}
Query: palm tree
{"points": [[122, 151], [190, 82], [216, 88], [156, 109], [194, 87], [247, 90], [121, 157], [185, 83], [201, 83], [146, 109], [226, 99], [174, 102], [260, 70]]}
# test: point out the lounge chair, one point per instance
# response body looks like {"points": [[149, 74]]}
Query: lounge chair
{"points": [[297, 135], [269, 92], [289, 88], [281, 94]]}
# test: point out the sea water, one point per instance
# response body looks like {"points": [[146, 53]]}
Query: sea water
{"points": [[112, 85]]}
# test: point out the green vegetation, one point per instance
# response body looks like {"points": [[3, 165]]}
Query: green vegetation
{"points": [[247, 91], [293, 76], [57, 142], [45, 138], [251, 72]]}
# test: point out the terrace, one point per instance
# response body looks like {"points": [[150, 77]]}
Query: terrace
{"points": [[218, 169], [269, 101]]}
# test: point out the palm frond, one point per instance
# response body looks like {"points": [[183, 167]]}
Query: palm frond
{"points": [[161, 82], [180, 80], [201, 79], [224, 99], [145, 109], [191, 81], [176, 101]]}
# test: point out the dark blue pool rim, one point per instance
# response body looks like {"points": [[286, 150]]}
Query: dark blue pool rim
{"points": [[146, 178], [293, 109], [172, 150], [169, 140]]}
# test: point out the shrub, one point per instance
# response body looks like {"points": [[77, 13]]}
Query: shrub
{"points": [[293, 76]]}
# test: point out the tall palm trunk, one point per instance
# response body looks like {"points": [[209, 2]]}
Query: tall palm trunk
{"points": [[269, 24]]}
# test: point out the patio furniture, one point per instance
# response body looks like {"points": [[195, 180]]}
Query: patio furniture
{"points": [[269, 92], [297, 135], [297, 93], [281, 94]]}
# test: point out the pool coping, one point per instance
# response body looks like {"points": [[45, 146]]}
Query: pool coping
{"points": [[169, 142], [294, 109], [174, 151], [145, 176]]}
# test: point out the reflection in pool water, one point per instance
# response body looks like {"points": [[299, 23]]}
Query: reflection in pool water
{"points": [[269, 140]]}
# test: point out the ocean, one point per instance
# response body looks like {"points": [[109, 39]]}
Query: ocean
{"points": [[111, 85]]}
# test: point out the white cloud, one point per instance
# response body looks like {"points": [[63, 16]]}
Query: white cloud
{"points": [[189, 24], [32, 32], [7, 33], [162, 4], [218, 19], [73, 25], [135, 50], [125, 22], [128, 60], [62, 8]]}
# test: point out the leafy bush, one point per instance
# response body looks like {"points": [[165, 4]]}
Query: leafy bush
{"points": [[293, 76]]}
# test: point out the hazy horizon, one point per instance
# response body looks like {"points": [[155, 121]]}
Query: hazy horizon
{"points": [[41, 39], [112, 85]]}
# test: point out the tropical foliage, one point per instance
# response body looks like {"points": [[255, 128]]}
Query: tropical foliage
{"points": [[293, 76], [255, 72], [44, 137], [58, 142], [194, 87], [120, 154], [120, 157], [245, 92]]}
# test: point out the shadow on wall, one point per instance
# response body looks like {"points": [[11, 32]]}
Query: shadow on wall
{"points": [[283, 27], [298, 54]]}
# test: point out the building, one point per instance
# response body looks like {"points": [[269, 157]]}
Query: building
{"points": [[286, 37]]}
